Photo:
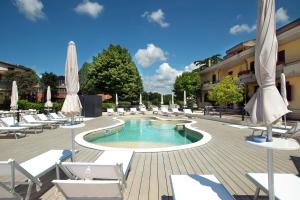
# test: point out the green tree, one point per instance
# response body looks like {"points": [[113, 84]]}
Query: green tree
{"points": [[49, 79], [113, 71], [188, 81], [204, 63], [228, 91], [83, 78], [26, 81]]}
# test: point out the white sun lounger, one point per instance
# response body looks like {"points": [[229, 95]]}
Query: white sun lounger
{"points": [[114, 157], [133, 111], [286, 186], [165, 111], [155, 110], [32, 120], [11, 122], [30, 170], [43, 117], [176, 111], [143, 111], [283, 132], [13, 130], [121, 111], [90, 189], [189, 113], [110, 111], [195, 187]]}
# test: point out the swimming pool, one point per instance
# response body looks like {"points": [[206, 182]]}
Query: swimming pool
{"points": [[145, 133]]}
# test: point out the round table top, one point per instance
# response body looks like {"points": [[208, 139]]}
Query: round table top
{"points": [[69, 126]]}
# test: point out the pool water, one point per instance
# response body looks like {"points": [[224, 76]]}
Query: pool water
{"points": [[145, 132]]}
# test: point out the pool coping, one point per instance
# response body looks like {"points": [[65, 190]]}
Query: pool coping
{"points": [[79, 139]]}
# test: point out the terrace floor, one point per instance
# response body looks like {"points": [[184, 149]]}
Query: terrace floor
{"points": [[227, 156]]}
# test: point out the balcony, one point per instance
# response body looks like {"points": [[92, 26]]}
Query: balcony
{"points": [[292, 69], [246, 76], [4, 85]]}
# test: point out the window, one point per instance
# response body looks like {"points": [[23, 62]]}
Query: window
{"points": [[252, 66], [281, 57], [288, 90], [230, 73], [214, 78]]}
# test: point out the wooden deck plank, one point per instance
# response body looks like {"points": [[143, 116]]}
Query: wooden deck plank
{"points": [[153, 190]]}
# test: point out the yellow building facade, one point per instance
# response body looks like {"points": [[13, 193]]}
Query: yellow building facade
{"points": [[239, 61]]}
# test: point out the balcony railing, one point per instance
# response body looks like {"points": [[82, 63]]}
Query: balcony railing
{"points": [[292, 69], [4, 85]]}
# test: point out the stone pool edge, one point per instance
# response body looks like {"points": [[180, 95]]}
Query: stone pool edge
{"points": [[79, 139]]}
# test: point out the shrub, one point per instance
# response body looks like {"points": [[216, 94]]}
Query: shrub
{"points": [[124, 104], [108, 105], [57, 105], [25, 105]]}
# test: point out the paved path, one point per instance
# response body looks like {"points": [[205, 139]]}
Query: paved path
{"points": [[227, 156]]}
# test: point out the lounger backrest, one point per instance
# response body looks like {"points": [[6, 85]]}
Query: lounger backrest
{"points": [[42, 117], [143, 109], [155, 109], [110, 110], [120, 110], [94, 171], [29, 118], [175, 110], [187, 111], [294, 129], [54, 115], [84, 189], [133, 109], [8, 121], [163, 109]]}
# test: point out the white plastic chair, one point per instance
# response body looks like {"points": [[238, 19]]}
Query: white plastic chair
{"points": [[121, 111]]}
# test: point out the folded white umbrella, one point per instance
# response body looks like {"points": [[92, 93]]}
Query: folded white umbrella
{"points": [[48, 103], [141, 99], [117, 101], [172, 98], [72, 105], [14, 96], [161, 99], [266, 105]]}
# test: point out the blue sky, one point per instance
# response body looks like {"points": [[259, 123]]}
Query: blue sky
{"points": [[163, 37]]}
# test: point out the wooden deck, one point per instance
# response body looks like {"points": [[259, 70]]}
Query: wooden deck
{"points": [[227, 156]]}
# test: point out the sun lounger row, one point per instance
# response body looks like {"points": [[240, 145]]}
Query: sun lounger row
{"points": [[10, 126], [103, 179]]}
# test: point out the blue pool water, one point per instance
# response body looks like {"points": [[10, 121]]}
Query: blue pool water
{"points": [[142, 130]]}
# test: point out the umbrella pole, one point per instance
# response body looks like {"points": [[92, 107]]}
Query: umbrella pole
{"points": [[73, 143], [285, 121], [270, 165]]}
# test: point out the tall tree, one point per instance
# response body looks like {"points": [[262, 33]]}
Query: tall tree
{"points": [[228, 91], [188, 81], [49, 79], [83, 78], [26, 81], [113, 71], [204, 63]]}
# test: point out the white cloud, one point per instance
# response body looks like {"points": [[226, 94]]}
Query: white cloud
{"points": [[32, 9], [190, 67], [150, 55], [156, 17], [163, 79], [87, 7], [282, 16], [241, 28]]}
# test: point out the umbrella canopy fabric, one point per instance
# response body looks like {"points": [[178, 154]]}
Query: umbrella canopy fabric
{"points": [[72, 105], [14, 96], [141, 99], [283, 89], [161, 99], [184, 98], [117, 102], [48, 103], [262, 104]]}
